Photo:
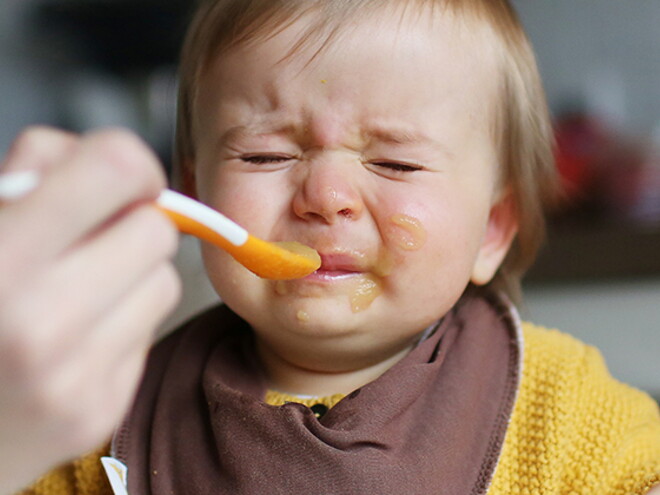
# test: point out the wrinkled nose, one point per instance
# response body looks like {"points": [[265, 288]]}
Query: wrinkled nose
{"points": [[327, 193]]}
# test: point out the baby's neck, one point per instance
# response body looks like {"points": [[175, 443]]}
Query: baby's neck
{"points": [[285, 376]]}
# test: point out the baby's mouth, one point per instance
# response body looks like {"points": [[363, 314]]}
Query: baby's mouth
{"points": [[337, 266], [349, 273]]}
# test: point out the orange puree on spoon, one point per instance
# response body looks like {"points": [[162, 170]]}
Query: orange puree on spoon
{"points": [[302, 250]]}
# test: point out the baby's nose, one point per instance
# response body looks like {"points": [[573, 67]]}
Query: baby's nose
{"points": [[328, 193]]}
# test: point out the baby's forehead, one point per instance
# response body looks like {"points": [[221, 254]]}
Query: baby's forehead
{"points": [[297, 42], [368, 47], [312, 30], [368, 50]]}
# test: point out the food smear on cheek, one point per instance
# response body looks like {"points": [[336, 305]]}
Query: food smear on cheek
{"points": [[408, 233], [365, 291]]}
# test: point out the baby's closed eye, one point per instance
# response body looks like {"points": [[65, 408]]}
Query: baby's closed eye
{"points": [[397, 166], [263, 158]]}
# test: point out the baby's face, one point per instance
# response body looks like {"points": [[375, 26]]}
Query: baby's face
{"points": [[379, 154]]}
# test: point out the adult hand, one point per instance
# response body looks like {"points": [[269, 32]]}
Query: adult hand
{"points": [[85, 278]]}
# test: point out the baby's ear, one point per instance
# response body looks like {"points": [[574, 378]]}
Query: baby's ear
{"points": [[500, 231]]}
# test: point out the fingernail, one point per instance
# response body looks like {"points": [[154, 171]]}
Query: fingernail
{"points": [[15, 185]]}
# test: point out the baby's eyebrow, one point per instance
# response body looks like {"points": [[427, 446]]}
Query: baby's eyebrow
{"points": [[392, 135], [404, 136], [396, 136], [243, 131]]}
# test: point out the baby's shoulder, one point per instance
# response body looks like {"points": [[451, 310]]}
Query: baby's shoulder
{"points": [[550, 342], [589, 430], [548, 352], [597, 433]]}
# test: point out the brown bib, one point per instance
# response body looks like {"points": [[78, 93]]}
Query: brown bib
{"points": [[433, 423]]}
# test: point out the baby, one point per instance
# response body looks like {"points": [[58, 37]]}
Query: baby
{"points": [[409, 143]]}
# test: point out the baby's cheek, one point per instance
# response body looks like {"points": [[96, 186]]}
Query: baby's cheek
{"points": [[230, 279], [218, 267], [414, 251]]}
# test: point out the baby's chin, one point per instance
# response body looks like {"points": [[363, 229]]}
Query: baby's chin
{"points": [[326, 315]]}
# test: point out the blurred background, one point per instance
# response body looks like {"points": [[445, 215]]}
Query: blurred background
{"points": [[82, 64]]}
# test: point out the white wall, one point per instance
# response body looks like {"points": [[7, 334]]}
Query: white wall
{"points": [[621, 319], [26, 83], [604, 52]]}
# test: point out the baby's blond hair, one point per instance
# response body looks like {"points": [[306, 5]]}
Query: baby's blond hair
{"points": [[521, 128]]}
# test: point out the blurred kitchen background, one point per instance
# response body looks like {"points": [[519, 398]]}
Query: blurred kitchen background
{"points": [[82, 64]]}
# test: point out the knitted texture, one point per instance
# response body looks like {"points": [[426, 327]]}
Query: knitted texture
{"points": [[275, 398], [84, 476], [574, 430]]}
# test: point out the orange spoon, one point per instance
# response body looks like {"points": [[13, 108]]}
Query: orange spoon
{"points": [[276, 261]]}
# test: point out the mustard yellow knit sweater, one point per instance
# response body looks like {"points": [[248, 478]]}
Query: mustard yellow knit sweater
{"points": [[574, 430]]}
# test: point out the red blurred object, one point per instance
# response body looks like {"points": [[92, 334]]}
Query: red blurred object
{"points": [[629, 187], [581, 142]]}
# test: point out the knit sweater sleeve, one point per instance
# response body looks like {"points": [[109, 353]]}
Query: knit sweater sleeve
{"points": [[618, 432], [84, 476], [574, 428]]}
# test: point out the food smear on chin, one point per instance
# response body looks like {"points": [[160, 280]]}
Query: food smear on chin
{"points": [[302, 316], [409, 234], [365, 291], [281, 288]]}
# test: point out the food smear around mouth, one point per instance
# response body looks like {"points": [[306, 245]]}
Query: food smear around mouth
{"points": [[361, 287], [281, 288], [302, 316], [361, 290], [410, 234], [365, 291], [384, 264]]}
